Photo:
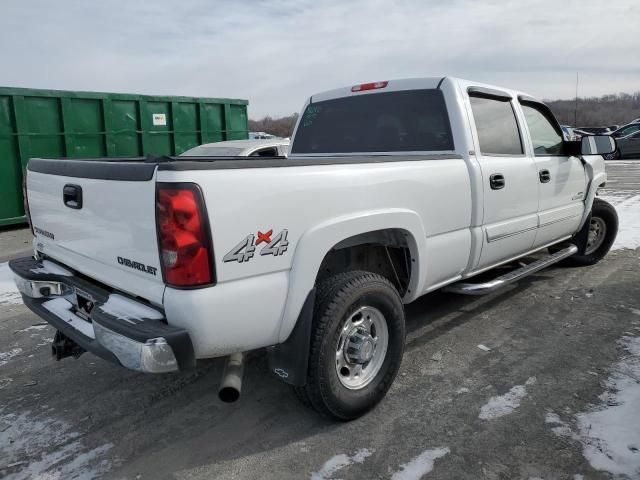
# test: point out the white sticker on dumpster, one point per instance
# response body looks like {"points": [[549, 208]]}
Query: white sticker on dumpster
{"points": [[159, 119]]}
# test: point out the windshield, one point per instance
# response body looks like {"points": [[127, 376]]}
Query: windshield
{"points": [[212, 151], [405, 121]]}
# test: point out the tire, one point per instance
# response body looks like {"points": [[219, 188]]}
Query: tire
{"points": [[604, 219], [613, 156], [353, 313]]}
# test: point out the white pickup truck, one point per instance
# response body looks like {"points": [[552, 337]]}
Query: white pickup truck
{"points": [[392, 189]]}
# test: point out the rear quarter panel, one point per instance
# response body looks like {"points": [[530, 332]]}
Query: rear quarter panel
{"points": [[320, 205]]}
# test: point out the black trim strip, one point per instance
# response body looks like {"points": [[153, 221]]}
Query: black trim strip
{"points": [[440, 82], [225, 163], [134, 170], [527, 98], [489, 93]]}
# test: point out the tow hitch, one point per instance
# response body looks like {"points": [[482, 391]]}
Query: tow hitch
{"points": [[63, 347]]}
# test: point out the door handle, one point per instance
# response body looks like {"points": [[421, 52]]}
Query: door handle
{"points": [[72, 196], [545, 176], [496, 181]]}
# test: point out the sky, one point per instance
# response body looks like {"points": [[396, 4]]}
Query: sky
{"points": [[277, 53]]}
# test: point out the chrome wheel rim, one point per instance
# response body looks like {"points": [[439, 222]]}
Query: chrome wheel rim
{"points": [[362, 347], [597, 232]]}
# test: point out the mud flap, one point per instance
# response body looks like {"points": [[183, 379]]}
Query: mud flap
{"points": [[289, 360], [580, 239]]}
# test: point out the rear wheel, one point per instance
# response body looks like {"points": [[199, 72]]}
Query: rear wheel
{"points": [[357, 344], [603, 228]]}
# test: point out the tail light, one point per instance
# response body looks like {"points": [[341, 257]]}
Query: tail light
{"points": [[184, 238]]}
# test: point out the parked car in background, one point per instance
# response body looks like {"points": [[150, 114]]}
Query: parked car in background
{"points": [[276, 147], [625, 130], [260, 136], [594, 130], [628, 147], [568, 132]]}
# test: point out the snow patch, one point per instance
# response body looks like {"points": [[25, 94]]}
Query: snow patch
{"points": [[8, 291], [420, 465], [502, 405], [36, 446], [126, 309], [51, 268], [6, 356], [33, 327], [628, 209], [62, 308], [609, 432], [338, 462]]}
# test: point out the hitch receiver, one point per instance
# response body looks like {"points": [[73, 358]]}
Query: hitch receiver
{"points": [[63, 347]]}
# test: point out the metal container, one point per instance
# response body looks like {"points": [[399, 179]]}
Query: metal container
{"points": [[61, 124]]}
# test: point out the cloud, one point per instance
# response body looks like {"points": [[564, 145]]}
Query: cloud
{"points": [[277, 53]]}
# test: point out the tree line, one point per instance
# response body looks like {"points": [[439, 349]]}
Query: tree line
{"points": [[280, 127], [614, 109]]}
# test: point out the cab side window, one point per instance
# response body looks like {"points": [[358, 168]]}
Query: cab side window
{"points": [[496, 125], [544, 136]]}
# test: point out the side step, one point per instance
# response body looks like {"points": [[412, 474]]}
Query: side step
{"points": [[511, 277]]}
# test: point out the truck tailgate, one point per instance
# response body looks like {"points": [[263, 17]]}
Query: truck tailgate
{"points": [[99, 219]]}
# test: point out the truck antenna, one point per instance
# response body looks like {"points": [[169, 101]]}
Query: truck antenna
{"points": [[575, 111]]}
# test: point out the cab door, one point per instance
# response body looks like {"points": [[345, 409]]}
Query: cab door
{"points": [[509, 178], [630, 145], [562, 180]]}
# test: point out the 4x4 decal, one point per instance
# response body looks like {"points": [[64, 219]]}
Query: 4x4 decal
{"points": [[245, 249]]}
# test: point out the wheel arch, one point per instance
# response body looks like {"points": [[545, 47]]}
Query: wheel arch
{"points": [[594, 166], [318, 242]]}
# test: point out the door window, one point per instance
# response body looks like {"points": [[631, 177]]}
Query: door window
{"points": [[496, 125], [544, 136]]}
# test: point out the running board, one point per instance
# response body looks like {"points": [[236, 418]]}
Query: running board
{"points": [[511, 277]]}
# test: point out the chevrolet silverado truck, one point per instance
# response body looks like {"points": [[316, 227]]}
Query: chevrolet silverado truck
{"points": [[392, 189]]}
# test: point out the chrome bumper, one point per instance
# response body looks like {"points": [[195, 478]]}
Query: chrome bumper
{"points": [[142, 343]]}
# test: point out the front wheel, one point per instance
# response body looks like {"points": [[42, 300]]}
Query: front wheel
{"points": [[603, 228], [357, 344]]}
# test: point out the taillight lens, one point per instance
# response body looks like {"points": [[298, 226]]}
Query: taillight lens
{"points": [[183, 235]]}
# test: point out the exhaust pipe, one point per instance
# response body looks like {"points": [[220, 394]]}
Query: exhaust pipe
{"points": [[231, 384]]}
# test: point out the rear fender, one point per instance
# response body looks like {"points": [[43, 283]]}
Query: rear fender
{"points": [[320, 239]]}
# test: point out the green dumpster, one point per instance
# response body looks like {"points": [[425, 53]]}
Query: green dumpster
{"points": [[57, 124]]}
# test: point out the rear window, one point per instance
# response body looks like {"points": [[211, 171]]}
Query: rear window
{"points": [[406, 121]]}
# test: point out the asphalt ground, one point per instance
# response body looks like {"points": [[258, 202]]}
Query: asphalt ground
{"points": [[455, 411]]}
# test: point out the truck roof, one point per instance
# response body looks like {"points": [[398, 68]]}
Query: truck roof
{"points": [[410, 84]]}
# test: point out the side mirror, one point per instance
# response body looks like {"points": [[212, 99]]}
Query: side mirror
{"points": [[598, 145]]}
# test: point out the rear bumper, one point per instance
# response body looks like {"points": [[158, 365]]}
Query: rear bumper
{"points": [[115, 327]]}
